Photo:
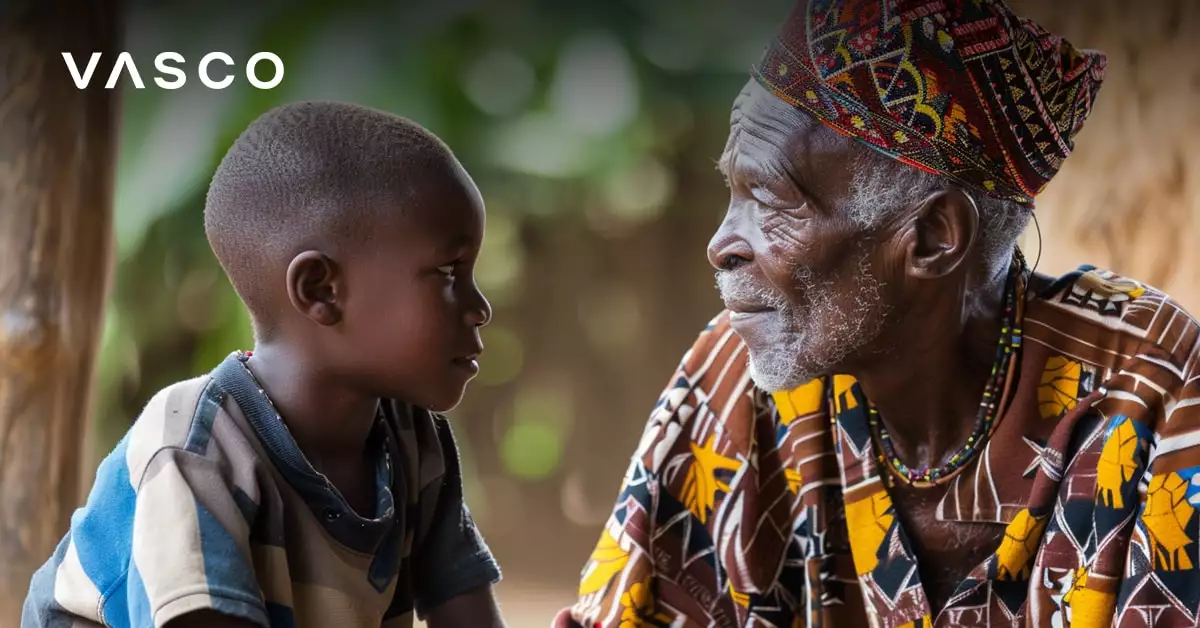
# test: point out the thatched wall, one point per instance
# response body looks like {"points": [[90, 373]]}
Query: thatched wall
{"points": [[1129, 198]]}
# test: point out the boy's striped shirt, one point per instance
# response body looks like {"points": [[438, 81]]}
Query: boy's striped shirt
{"points": [[207, 502]]}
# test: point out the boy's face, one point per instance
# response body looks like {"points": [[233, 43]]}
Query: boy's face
{"points": [[413, 312]]}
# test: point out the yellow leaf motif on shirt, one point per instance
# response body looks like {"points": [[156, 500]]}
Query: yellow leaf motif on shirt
{"points": [[800, 401], [1117, 464], [701, 485], [638, 606], [1167, 512], [607, 560], [1058, 392], [636, 602], [1089, 608], [794, 479], [1020, 542], [868, 521], [741, 599]]}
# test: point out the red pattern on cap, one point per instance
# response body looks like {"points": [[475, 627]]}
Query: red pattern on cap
{"points": [[964, 89]]}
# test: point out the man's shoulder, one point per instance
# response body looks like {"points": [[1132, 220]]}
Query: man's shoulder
{"points": [[717, 360], [717, 351], [712, 379], [1121, 316]]}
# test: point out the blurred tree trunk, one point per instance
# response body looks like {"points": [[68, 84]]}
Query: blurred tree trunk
{"points": [[57, 156], [1128, 199]]}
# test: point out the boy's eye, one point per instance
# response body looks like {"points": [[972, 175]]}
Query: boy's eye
{"points": [[446, 269]]}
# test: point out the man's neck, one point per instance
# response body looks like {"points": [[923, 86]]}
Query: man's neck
{"points": [[928, 391], [329, 422]]}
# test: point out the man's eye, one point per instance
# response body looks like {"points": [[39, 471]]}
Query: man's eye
{"points": [[446, 269], [766, 197]]}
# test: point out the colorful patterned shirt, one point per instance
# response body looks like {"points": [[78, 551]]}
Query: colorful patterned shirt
{"points": [[207, 503], [747, 509]]}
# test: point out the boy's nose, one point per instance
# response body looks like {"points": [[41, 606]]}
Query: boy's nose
{"points": [[480, 312]]}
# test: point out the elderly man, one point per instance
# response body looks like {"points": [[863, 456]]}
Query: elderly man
{"points": [[895, 422]]}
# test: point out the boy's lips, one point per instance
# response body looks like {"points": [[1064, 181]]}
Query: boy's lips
{"points": [[467, 362]]}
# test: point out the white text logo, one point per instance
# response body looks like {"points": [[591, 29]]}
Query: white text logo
{"points": [[210, 70]]}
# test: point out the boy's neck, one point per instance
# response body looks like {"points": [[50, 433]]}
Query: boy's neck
{"points": [[330, 423]]}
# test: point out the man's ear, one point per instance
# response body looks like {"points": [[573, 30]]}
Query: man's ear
{"points": [[945, 228], [315, 287]]}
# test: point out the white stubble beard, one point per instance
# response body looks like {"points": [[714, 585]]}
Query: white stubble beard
{"points": [[812, 339]]}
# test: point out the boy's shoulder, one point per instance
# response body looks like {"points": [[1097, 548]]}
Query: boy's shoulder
{"points": [[200, 414], [187, 418], [156, 514]]}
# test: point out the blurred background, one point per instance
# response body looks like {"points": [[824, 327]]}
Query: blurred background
{"points": [[592, 131]]}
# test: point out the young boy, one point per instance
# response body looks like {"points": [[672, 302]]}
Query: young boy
{"points": [[312, 481]]}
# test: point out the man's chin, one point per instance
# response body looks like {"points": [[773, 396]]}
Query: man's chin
{"points": [[775, 379]]}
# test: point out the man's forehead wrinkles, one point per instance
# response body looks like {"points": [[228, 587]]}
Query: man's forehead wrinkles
{"points": [[725, 159], [777, 160], [784, 128], [794, 127]]}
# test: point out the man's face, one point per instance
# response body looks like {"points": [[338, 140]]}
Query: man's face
{"points": [[797, 274]]}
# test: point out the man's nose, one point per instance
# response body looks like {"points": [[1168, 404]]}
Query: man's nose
{"points": [[728, 248]]}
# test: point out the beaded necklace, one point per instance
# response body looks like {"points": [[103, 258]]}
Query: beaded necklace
{"points": [[994, 394], [243, 358]]}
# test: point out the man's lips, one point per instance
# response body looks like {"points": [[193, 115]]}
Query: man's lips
{"points": [[742, 309]]}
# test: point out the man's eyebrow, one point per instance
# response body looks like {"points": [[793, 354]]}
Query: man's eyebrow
{"points": [[789, 171], [786, 168]]}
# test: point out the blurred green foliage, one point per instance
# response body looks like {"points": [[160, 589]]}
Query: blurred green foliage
{"points": [[591, 129]]}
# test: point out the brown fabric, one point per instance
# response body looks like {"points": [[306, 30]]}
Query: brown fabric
{"points": [[742, 508]]}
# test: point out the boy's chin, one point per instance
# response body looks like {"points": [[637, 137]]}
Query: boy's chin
{"points": [[445, 400], [437, 391]]}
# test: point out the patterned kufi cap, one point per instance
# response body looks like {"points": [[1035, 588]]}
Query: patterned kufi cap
{"points": [[963, 89]]}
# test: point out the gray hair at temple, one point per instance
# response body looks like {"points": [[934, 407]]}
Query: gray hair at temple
{"points": [[882, 186]]}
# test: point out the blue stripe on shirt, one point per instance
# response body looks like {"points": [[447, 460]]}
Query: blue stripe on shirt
{"points": [[200, 431], [136, 599], [103, 535], [230, 576], [41, 609]]}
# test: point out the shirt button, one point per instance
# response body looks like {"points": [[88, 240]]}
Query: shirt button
{"points": [[332, 514]]}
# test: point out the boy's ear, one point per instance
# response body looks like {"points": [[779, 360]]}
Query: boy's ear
{"points": [[315, 288]]}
